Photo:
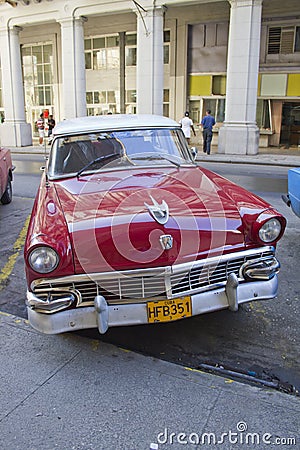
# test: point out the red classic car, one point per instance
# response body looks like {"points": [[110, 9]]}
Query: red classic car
{"points": [[6, 170], [127, 229]]}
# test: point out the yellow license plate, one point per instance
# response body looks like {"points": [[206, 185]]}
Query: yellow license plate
{"points": [[167, 310]]}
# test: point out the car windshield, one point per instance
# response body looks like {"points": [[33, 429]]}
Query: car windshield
{"points": [[74, 155]]}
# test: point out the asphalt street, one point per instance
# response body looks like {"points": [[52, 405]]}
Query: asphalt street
{"points": [[261, 339]]}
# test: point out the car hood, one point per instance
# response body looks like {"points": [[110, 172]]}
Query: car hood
{"points": [[137, 218]]}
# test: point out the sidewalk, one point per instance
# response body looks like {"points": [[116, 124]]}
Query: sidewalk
{"points": [[68, 392], [266, 156]]}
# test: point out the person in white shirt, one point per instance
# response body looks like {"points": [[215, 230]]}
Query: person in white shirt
{"points": [[40, 124], [187, 125]]}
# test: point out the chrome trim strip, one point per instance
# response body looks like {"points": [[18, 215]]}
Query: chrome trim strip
{"points": [[168, 283]]}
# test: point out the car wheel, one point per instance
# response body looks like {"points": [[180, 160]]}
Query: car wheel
{"points": [[7, 196]]}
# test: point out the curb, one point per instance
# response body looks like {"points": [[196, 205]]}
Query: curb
{"points": [[262, 162]]}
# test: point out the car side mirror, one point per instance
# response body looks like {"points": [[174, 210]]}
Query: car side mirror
{"points": [[43, 168]]}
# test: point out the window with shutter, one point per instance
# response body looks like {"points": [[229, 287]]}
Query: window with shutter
{"points": [[287, 40], [283, 40], [274, 40]]}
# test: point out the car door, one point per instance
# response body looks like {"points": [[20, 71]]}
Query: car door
{"points": [[3, 170]]}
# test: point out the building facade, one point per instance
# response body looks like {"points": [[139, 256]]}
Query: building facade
{"points": [[239, 58]]}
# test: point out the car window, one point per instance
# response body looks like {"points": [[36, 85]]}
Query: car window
{"points": [[117, 149]]}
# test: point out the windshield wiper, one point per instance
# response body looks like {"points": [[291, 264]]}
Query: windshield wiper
{"points": [[94, 161], [153, 157]]}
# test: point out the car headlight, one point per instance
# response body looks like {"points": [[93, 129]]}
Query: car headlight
{"points": [[270, 230], [43, 259]]}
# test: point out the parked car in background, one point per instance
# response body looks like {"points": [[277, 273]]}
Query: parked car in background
{"points": [[292, 199], [6, 176], [127, 229]]}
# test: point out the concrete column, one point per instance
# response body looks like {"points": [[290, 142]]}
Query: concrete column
{"points": [[240, 134], [15, 132], [179, 69], [73, 68], [122, 38], [150, 63]]}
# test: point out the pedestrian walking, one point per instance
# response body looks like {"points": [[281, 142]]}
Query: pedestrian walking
{"points": [[187, 125], [207, 124], [51, 125], [41, 128]]}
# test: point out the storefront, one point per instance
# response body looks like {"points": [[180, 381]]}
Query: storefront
{"points": [[290, 125]]}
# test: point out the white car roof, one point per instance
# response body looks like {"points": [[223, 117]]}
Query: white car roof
{"points": [[112, 122]]}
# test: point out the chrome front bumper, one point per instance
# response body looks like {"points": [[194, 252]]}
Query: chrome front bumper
{"points": [[104, 316]]}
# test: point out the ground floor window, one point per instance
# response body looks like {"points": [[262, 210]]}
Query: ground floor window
{"points": [[263, 114], [166, 103], [110, 63], [277, 119], [102, 102], [280, 119], [130, 105], [290, 124], [38, 77], [216, 105]]}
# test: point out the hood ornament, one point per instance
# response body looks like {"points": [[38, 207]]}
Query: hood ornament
{"points": [[160, 212], [166, 241]]}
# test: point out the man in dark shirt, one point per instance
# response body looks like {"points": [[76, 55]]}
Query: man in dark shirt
{"points": [[51, 125], [207, 124]]}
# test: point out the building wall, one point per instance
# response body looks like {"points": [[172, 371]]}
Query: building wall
{"points": [[196, 74], [279, 73]]}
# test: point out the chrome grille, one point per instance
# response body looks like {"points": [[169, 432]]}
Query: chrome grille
{"points": [[138, 285], [207, 275]]}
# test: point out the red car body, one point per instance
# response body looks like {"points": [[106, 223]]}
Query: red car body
{"points": [[143, 240], [6, 176]]}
